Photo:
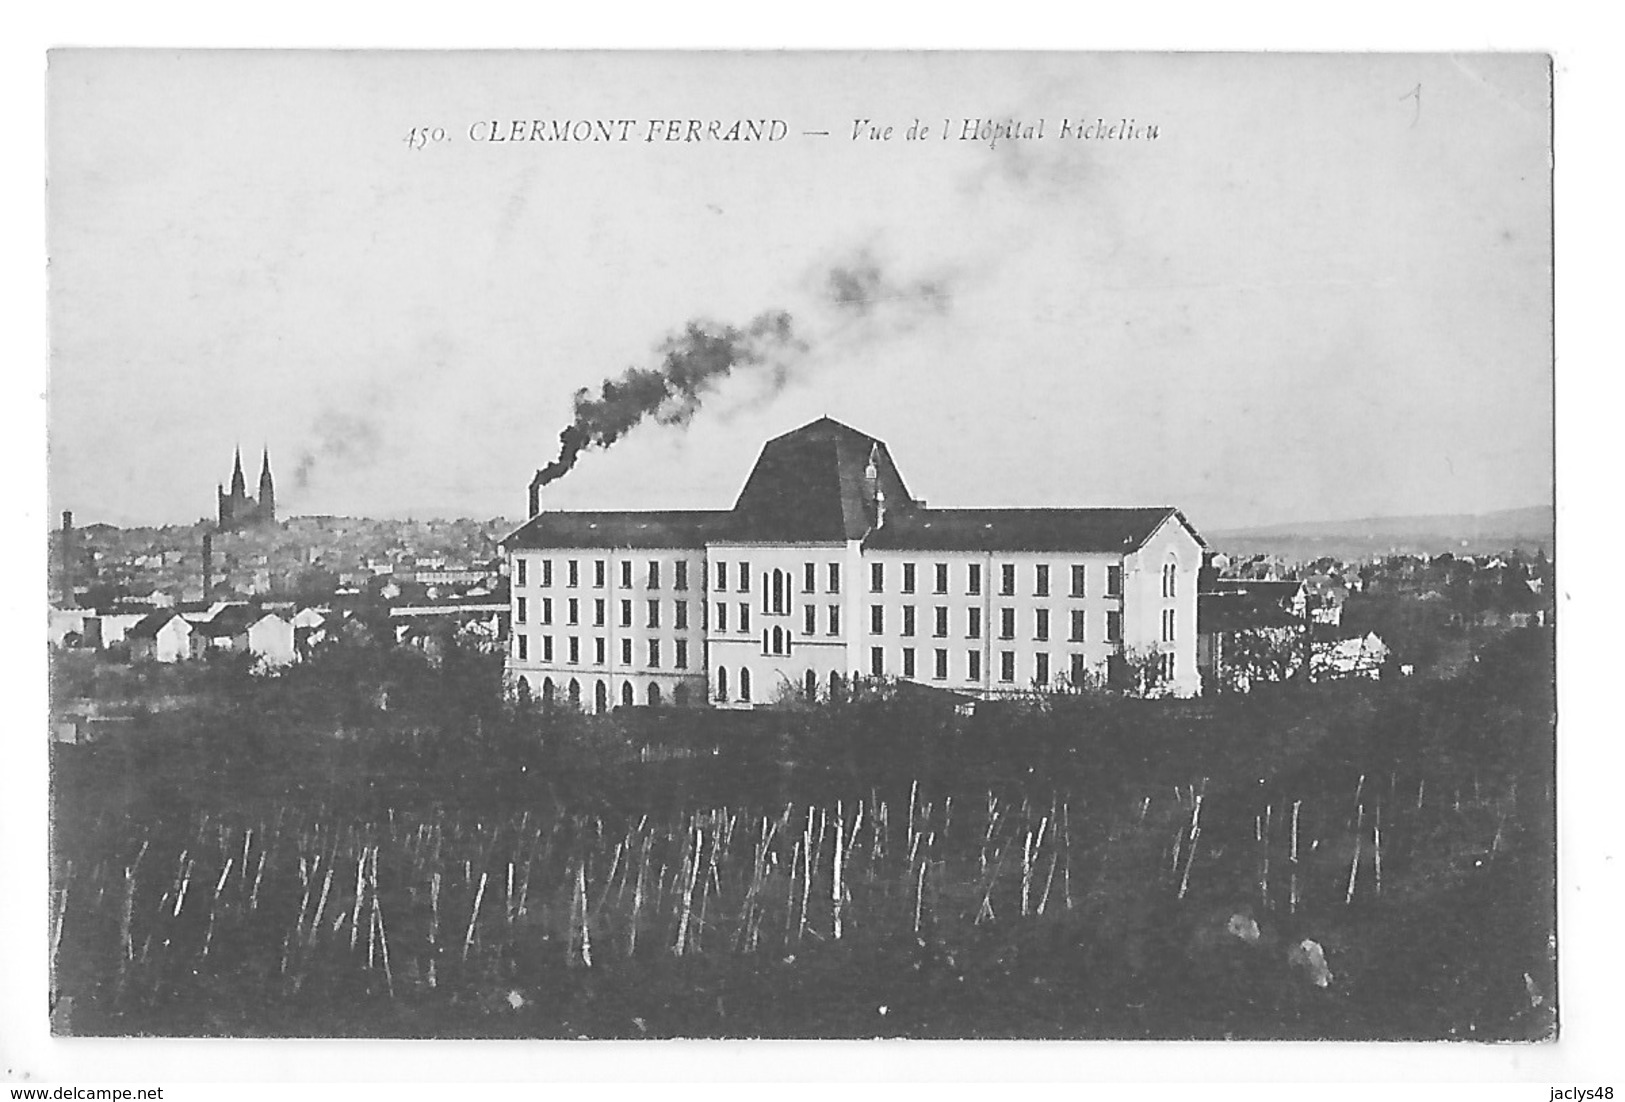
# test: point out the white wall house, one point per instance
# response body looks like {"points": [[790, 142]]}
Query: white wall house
{"points": [[827, 568], [162, 636], [270, 639]]}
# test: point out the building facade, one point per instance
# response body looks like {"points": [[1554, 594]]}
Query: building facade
{"points": [[827, 569]]}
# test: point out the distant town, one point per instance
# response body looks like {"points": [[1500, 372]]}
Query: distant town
{"points": [[277, 589]]}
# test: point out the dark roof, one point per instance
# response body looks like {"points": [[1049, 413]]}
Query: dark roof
{"points": [[1272, 589], [151, 624], [809, 486], [1081, 530], [654, 528], [1218, 613], [231, 620]]}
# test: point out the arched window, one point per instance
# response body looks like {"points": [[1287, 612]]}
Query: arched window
{"points": [[600, 698], [812, 686], [722, 682], [778, 640], [834, 685], [654, 695], [744, 683], [626, 694], [575, 693], [547, 690], [679, 696], [1170, 575]]}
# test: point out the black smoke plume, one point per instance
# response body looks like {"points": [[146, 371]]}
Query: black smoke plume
{"points": [[341, 437], [692, 363], [860, 287]]}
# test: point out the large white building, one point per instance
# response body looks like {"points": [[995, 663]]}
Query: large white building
{"points": [[827, 568]]}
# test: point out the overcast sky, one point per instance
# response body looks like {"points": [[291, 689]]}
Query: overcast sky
{"points": [[1322, 291]]}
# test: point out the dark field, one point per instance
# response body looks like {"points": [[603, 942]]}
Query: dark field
{"points": [[370, 846]]}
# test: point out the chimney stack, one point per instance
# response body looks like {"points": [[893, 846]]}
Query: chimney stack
{"points": [[208, 567], [68, 600], [535, 496]]}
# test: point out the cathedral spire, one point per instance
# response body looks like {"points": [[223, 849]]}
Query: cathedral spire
{"points": [[267, 503], [238, 489]]}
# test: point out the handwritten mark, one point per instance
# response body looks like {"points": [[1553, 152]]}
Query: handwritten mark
{"points": [[1416, 94]]}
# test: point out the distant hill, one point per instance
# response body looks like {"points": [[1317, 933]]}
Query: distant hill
{"points": [[1526, 529]]}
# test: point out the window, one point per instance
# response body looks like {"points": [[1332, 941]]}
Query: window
{"points": [[1165, 666], [626, 614], [722, 583], [519, 610], [1167, 625], [519, 566], [1114, 627], [722, 682], [1079, 675], [1079, 574], [877, 661], [744, 616], [809, 617], [973, 665], [547, 572], [599, 569], [1041, 624], [654, 574], [523, 645], [679, 619], [1114, 581], [908, 661], [575, 574], [1041, 580], [1170, 573], [680, 658], [877, 577], [908, 619], [908, 577], [575, 649], [809, 577], [626, 652], [940, 584], [744, 577], [626, 694], [1007, 665], [654, 613], [940, 672], [679, 574], [722, 616], [940, 629], [835, 619], [834, 577], [575, 611], [1007, 579], [973, 623], [1075, 632], [547, 648], [781, 593], [1041, 668], [598, 611], [877, 619], [626, 573], [1007, 623], [547, 610], [599, 646], [973, 579], [654, 654], [744, 683]]}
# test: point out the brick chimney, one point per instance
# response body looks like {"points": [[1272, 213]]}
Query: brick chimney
{"points": [[68, 600], [208, 567], [535, 496]]}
